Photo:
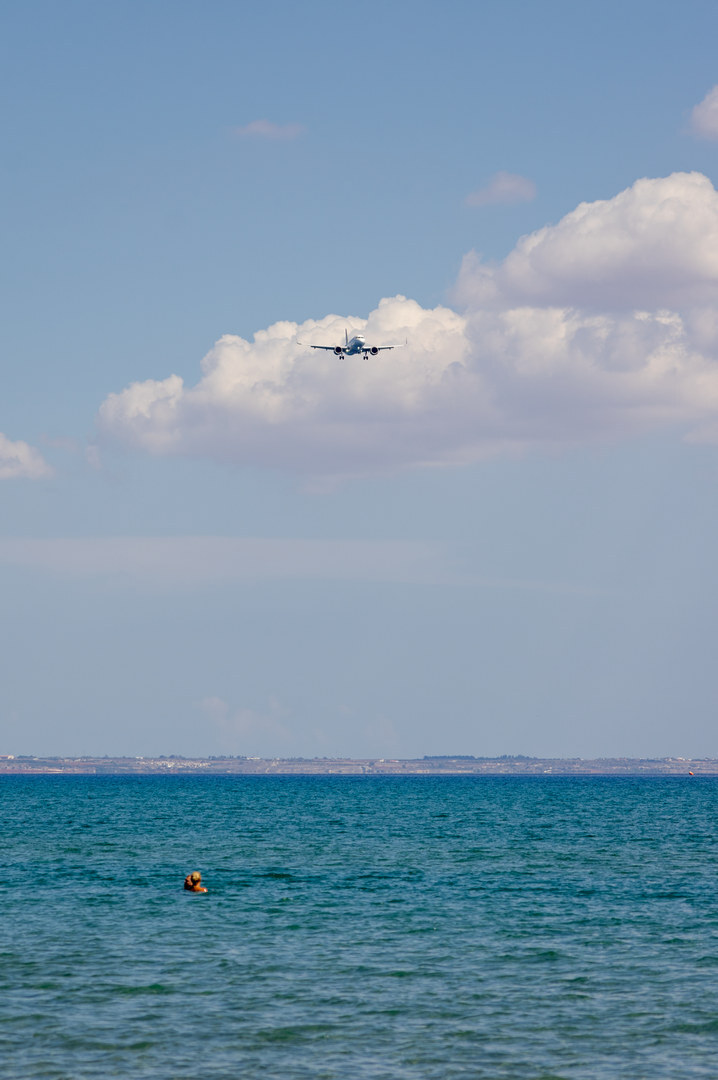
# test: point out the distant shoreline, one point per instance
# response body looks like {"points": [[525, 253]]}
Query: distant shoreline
{"points": [[461, 765]]}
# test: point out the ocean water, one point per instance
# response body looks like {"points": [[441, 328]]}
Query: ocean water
{"points": [[380, 927]]}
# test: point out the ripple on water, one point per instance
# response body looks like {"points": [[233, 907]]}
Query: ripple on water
{"points": [[407, 929]]}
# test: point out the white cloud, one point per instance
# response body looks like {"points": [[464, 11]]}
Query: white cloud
{"points": [[504, 187], [599, 327], [273, 402], [18, 460], [704, 117], [267, 129], [654, 245]]}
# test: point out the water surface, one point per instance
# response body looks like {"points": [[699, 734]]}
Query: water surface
{"points": [[359, 927]]}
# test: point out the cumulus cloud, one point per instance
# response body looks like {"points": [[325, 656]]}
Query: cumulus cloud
{"points": [[655, 245], [599, 327], [276, 403], [704, 116], [21, 461], [267, 129], [504, 187]]}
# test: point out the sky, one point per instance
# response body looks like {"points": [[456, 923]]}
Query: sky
{"points": [[498, 537]]}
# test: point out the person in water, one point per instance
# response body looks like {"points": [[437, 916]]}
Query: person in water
{"points": [[193, 882]]}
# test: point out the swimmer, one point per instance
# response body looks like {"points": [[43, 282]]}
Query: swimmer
{"points": [[193, 882]]}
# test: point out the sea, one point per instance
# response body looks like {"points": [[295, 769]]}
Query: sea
{"points": [[362, 928]]}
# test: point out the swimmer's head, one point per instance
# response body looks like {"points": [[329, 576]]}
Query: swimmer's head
{"points": [[196, 877]]}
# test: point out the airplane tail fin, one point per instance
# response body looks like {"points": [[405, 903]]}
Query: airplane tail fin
{"points": [[346, 336]]}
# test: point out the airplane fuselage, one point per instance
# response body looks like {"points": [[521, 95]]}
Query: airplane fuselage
{"points": [[354, 345]]}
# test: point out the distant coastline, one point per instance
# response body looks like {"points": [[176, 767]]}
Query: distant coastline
{"points": [[441, 765]]}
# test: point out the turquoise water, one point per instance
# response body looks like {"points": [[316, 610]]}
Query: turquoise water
{"points": [[397, 928]]}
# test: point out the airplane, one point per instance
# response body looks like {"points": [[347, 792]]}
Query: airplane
{"points": [[353, 347]]}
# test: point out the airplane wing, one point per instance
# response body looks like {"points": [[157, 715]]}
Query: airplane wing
{"points": [[374, 349], [307, 345]]}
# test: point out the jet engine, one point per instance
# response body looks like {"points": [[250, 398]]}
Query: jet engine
{"points": [[338, 350], [373, 350]]}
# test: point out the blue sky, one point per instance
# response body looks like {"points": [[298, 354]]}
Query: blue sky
{"points": [[499, 539]]}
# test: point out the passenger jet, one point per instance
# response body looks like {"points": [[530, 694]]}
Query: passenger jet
{"points": [[353, 347]]}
